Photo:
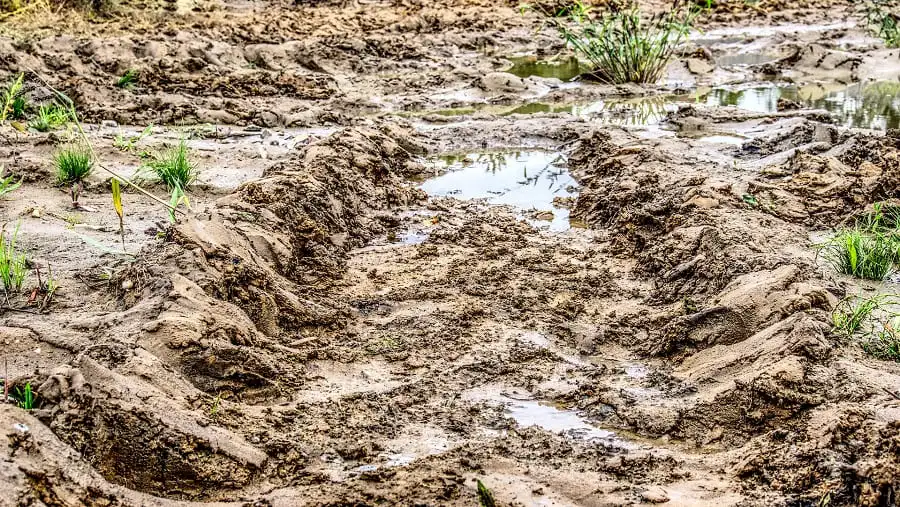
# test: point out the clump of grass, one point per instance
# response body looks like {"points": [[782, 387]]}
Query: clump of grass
{"points": [[175, 167], [128, 79], [861, 252], [73, 164], [870, 249], [25, 397], [485, 497], [873, 320], [884, 344], [624, 45], [18, 108], [883, 23], [13, 264], [49, 117], [850, 315]]}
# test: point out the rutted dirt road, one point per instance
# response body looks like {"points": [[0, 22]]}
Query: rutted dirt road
{"points": [[406, 270]]}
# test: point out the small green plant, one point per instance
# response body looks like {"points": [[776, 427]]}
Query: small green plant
{"points": [[128, 143], [883, 23], [861, 252], [117, 205], [49, 117], [7, 184], [25, 397], [18, 108], [73, 164], [13, 264], [128, 79], [851, 313], [10, 94], [883, 344], [874, 320], [485, 497], [175, 168], [624, 45]]}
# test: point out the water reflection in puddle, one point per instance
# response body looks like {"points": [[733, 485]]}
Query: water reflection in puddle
{"points": [[874, 105], [525, 180], [866, 105], [527, 413], [564, 69]]}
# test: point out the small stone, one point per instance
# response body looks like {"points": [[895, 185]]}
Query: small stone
{"points": [[109, 123], [37, 212], [543, 215], [703, 202], [655, 494], [697, 66], [127, 284]]}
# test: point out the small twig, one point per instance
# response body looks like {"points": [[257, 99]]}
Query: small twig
{"points": [[894, 395]]}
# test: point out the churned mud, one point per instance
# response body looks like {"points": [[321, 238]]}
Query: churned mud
{"points": [[422, 253]]}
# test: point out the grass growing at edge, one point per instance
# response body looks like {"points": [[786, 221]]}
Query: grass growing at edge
{"points": [[175, 168], [883, 23], [873, 320], [13, 264], [49, 117], [624, 46], [25, 397], [6, 183], [861, 252]]}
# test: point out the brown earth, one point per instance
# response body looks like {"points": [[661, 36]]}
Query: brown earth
{"points": [[317, 330]]}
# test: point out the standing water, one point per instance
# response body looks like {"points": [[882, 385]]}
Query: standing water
{"points": [[529, 181]]}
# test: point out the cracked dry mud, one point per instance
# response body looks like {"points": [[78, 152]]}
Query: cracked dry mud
{"points": [[405, 270]]}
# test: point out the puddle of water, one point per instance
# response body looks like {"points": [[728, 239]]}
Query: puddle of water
{"points": [[564, 69], [525, 180], [527, 413], [873, 105]]}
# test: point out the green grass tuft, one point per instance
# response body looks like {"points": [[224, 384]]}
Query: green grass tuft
{"points": [[624, 45], [49, 117], [861, 252], [175, 167], [13, 264], [73, 164], [883, 23], [128, 79]]}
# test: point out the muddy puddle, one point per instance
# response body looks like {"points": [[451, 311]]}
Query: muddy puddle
{"points": [[527, 412], [530, 181], [873, 105], [564, 69]]}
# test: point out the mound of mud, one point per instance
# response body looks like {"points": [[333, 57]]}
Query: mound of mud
{"points": [[222, 303]]}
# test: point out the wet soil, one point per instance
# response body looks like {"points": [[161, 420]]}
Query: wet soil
{"points": [[423, 253]]}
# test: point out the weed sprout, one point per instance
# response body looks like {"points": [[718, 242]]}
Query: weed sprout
{"points": [[49, 117], [176, 169], [128, 79], [73, 164], [13, 264], [10, 97]]}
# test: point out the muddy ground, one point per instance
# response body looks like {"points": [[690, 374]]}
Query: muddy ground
{"points": [[406, 270]]}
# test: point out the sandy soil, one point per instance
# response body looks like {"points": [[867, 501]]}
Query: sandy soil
{"points": [[405, 270]]}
